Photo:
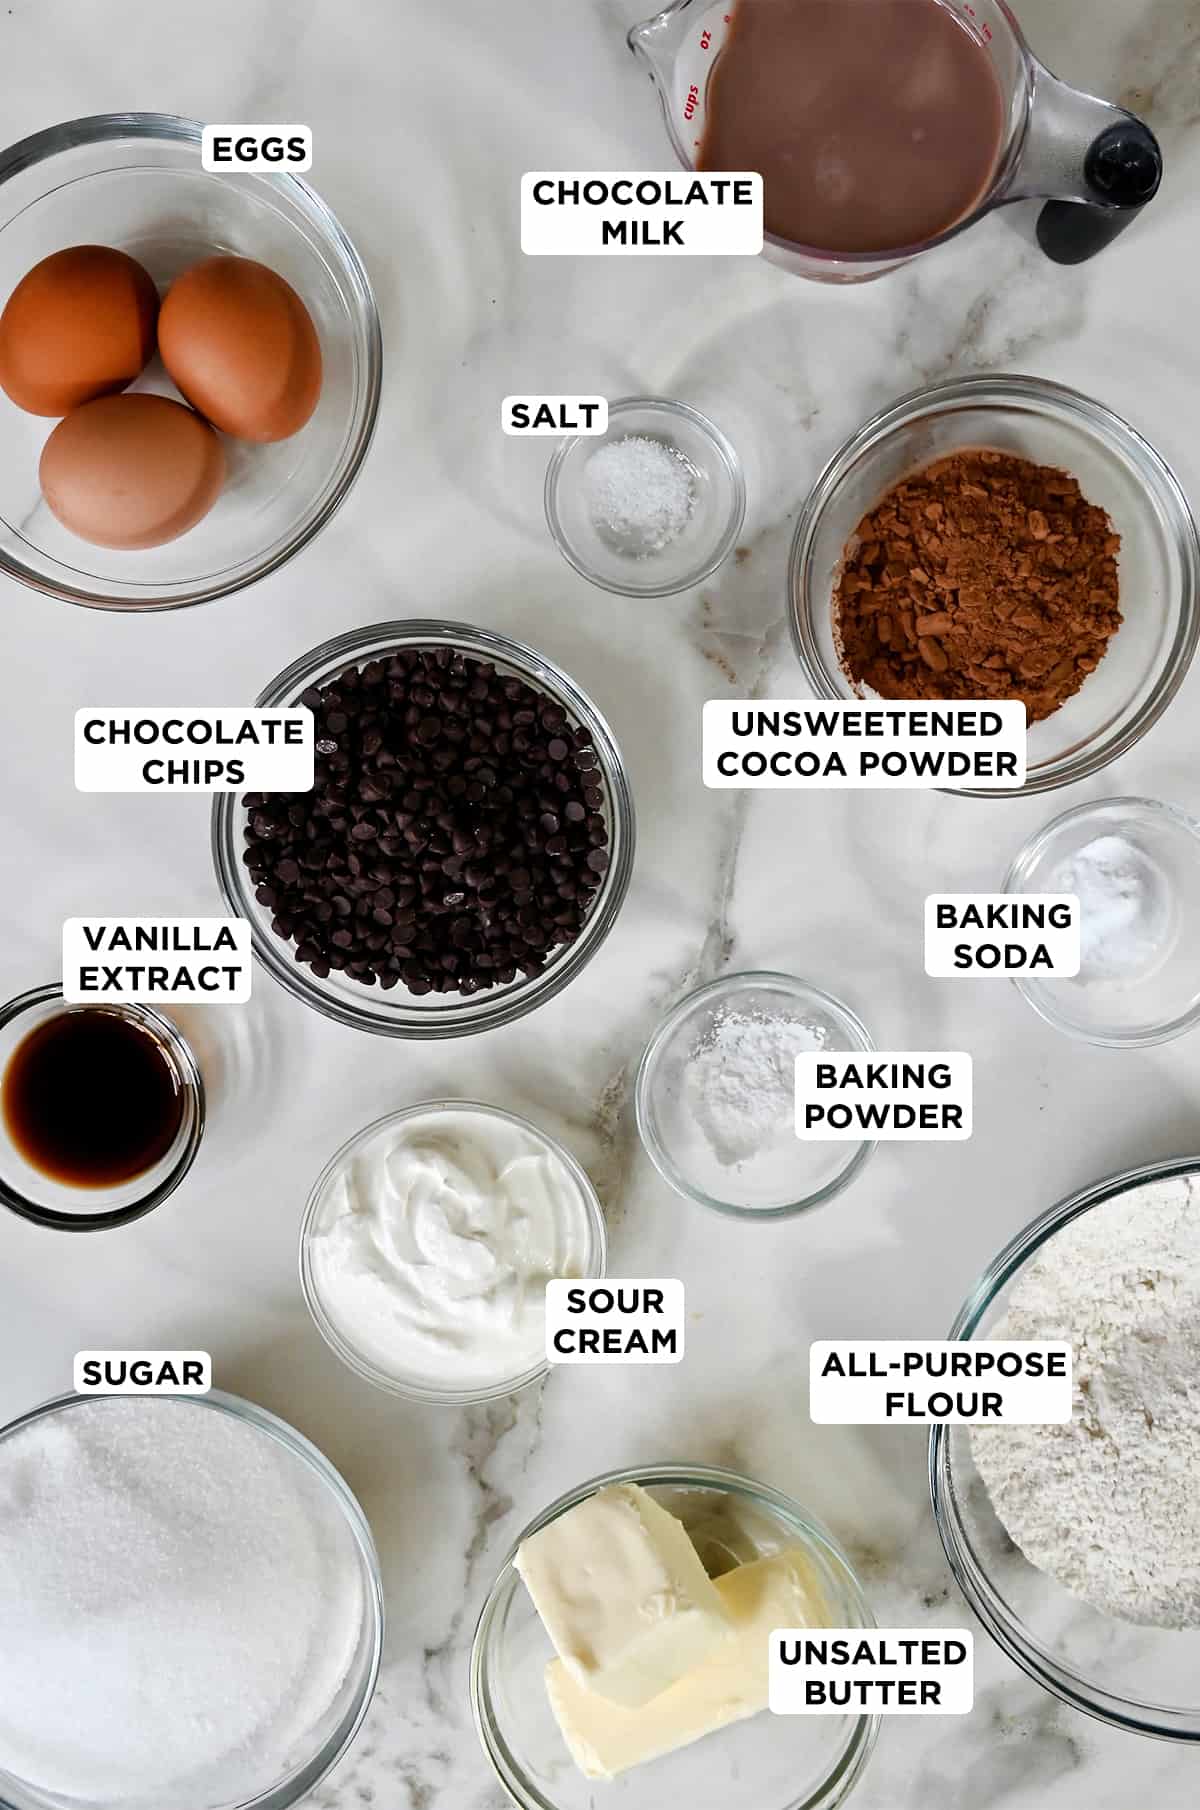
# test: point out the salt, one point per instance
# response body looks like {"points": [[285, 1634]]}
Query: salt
{"points": [[641, 493], [1124, 908], [180, 1603]]}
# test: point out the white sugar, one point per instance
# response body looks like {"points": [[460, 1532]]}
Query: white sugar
{"points": [[641, 493]]}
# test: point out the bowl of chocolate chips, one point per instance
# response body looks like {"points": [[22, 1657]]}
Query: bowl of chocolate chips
{"points": [[465, 848]]}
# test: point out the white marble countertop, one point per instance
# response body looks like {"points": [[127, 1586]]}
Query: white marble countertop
{"points": [[425, 117]]}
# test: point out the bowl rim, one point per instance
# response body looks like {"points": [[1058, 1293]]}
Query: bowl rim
{"points": [[1061, 1680], [1030, 850], [307, 1776], [726, 452], [1037, 395], [851, 1763], [179, 129], [767, 978], [340, 1345], [190, 1079], [352, 647]]}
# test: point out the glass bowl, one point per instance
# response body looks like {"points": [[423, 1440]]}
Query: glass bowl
{"points": [[355, 1356], [133, 180], [58, 1205], [764, 1763], [1117, 469], [398, 1013], [344, 1716], [1143, 1679], [711, 531], [791, 1175], [1158, 1002]]}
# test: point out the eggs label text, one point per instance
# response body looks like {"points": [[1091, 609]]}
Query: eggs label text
{"points": [[250, 150]]}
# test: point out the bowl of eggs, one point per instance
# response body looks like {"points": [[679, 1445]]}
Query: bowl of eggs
{"points": [[190, 366]]}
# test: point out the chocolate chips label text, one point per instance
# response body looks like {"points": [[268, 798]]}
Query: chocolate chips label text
{"points": [[554, 415], [904, 1096], [885, 1382], [158, 748], [881, 1671], [864, 746], [588, 213], [625, 1322], [1001, 934], [249, 150], [156, 961], [142, 1373]]}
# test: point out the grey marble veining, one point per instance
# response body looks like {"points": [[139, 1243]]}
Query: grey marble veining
{"points": [[425, 117]]}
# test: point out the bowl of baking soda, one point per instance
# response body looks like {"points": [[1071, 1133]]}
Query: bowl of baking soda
{"points": [[715, 1096]]}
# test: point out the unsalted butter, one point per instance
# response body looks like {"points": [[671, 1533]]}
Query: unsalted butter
{"points": [[623, 1595], [604, 1738]]}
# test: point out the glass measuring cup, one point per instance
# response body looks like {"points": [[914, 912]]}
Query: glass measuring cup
{"points": [[1094, 164]]}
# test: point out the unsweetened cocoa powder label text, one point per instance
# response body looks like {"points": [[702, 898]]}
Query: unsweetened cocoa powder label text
{"points": [[797, 743]]}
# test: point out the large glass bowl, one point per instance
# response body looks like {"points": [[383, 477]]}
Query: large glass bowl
{"points": [[134, 181], [344, 1715], [1144, 1679], [1159, 562], [399, 1013], [764, 1763]]}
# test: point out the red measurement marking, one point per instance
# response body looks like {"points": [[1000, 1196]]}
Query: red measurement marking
{"points": [[690, 104], [706, 40]]}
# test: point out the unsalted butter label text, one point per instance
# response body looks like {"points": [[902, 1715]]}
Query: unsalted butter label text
{"points": [[877, 1671]]}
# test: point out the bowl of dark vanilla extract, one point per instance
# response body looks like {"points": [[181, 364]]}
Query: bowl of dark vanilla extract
{"points": [[101, 1111]]}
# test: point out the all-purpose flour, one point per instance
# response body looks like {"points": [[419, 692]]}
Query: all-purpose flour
{"points": [[1109, 1504], [180, 1602]]}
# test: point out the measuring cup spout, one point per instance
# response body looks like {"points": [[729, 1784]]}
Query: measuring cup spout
{"points": [[1096, 165]]}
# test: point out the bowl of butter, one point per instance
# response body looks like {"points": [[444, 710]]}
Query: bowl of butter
{"points": [[622, 1654]]}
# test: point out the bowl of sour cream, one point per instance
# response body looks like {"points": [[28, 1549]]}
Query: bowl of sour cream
{"points": [[427, 1243]]}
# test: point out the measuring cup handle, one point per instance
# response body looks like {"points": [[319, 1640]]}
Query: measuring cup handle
{"points": [[1093, 164]]}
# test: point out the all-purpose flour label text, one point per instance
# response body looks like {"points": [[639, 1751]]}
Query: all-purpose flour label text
{"points": [[879, 1382], [798, 744]]}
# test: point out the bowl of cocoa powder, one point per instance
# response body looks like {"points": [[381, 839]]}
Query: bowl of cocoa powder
{"points": [[1002, 538]]}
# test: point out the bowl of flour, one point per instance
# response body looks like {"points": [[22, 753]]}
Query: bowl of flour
{"points": [[1078, 1544]]}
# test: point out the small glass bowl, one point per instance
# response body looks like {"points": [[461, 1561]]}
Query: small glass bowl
{"points": [[58, 1205], [764, 1763], [133, 180], [1161, 1002], [1143, 1679], [800, 1175], [398, 1013], [345, 1715], [359, 1361], [1117, 469], [712, 529]]}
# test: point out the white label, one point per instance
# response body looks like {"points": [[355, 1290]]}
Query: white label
{"points": [[626, 1322], [143, 1373], [999, 934], [878, 1382], [554, 414], [587, 213], [255, 150], [876, 1671], [156, 961], [906, 1096], [797, 744], [160, 748]]}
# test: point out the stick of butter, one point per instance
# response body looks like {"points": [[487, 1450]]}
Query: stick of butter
{"points": [[732, 1683], [623, 1595]]}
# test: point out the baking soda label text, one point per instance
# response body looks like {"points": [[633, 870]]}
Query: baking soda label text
{"points": [[877, 1671], [554, 415], [885, 1382], [253, 150], [159, 748], [142, 1373], [627, 1322], [860, 746], [904, 1096], [156, 961], [587, 213], [1001, 934]]}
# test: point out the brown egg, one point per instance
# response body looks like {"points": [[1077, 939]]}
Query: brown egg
{"points": [[79, 325], [239, 343], [131, 471]]}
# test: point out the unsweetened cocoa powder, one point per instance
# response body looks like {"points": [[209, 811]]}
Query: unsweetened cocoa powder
{"points": [[981, 576]]}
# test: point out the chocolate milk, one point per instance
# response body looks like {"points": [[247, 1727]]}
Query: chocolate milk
{"points": [[875, 124]]}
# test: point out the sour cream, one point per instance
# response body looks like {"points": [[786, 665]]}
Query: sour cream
{"points": [[430, 1243]]}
